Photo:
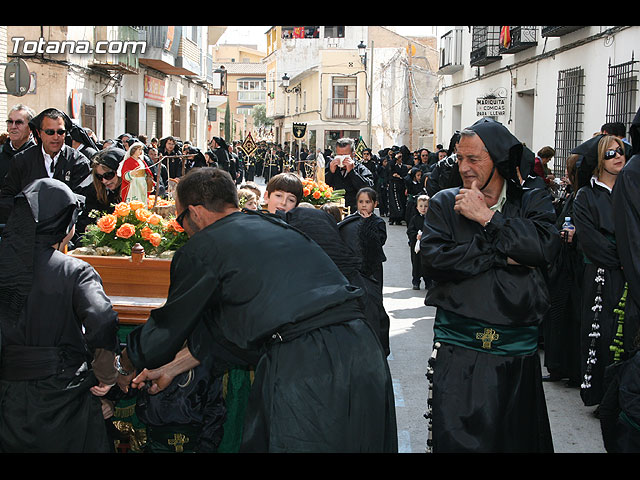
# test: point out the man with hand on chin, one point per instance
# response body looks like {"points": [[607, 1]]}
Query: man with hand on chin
{"points": [[486, 244]]}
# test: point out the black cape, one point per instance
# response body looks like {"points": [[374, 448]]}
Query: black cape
{"points": [[489, 402], [322, 383], [593, 218], [50, 341], [626, 218]]}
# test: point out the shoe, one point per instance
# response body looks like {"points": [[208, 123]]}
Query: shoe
{"points": [[552, 377], [416, 286]]}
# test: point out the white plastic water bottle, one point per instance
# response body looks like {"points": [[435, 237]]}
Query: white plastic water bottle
{"points": [[567, 227]]}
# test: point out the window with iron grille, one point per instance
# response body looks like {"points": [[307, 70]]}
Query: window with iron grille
{"points": [[622, 88], [569, 120]]}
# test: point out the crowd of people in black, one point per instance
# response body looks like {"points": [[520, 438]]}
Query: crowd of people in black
{"points": [[466, 221]]}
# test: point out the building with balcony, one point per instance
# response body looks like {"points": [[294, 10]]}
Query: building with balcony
{"points": [[245, 87], [549, 85], [150, 80], [382, 91]]}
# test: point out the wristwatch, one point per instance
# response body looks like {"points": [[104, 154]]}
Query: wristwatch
{"points": [[119, 368]]}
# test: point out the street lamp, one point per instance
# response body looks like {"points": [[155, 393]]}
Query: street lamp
{"points": [[362, 51], [285, 85]]}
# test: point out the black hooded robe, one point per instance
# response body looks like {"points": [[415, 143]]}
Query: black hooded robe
{"points": [[322, 382], [487, 393], [397, 198], [593, 218], [626, 217], [49, 346]]}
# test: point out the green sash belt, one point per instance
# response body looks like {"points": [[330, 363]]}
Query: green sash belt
{"points": [[483, 337], [629, 421]]}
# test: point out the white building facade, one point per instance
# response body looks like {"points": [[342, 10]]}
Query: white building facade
{"points": [[549, 85]]}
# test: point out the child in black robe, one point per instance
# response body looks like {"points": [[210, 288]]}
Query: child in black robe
{"points": [[414, 232], [366, 234]]}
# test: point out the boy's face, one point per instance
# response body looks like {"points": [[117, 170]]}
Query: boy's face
{"points": [[423, 207], [280, 200]]}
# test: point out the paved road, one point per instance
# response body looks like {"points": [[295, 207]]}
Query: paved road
{"points": [[573, 426]]}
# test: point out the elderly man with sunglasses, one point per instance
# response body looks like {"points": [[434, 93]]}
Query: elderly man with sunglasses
{"points": [[50, 156], [20, 136]]}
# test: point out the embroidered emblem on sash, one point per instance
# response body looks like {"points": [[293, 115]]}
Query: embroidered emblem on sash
{"points": [[489, 335]]}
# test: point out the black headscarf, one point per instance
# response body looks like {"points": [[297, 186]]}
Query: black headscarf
{"points": [[588, 160], [504, 148], [36, 122], [322, 228], [109, 157], [43, 214], [221, 142], [80, 135]]}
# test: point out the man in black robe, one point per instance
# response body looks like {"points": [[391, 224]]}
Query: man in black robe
{"points": [[321, 383], [485, 244], [51, 157], [59, 330]]}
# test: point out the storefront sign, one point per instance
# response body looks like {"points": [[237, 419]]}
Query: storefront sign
{"points": [[153, 88], [491, 106]]}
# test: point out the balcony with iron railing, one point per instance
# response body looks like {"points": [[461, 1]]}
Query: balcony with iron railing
{"points": [[343, 108], [485, 45], [516, 39], [559, 31]]}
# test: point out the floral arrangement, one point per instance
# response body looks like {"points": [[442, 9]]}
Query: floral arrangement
{"points": [[319, 193], [132, 223]]}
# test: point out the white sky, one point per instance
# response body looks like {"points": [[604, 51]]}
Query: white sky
{"points": [[255, 35]]}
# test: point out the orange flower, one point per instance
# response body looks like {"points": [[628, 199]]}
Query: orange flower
{"points": [[107, 223], [154, 219], [155, 239], [317, 194], [306, 191], [143, 214], [146, 233], [175, 225], [126, 230], [327, 194], [122, 209], [136, 204]]}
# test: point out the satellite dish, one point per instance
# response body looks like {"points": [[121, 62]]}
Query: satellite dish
{"points": [[17, 78]]}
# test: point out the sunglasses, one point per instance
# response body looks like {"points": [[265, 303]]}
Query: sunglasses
{"points": [[609, 154], [15, 122], [180, 218], [51, 132], [105, 176]]}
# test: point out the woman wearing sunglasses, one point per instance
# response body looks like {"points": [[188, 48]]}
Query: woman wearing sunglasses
{"points": [[603, 282], [104, 191]]}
